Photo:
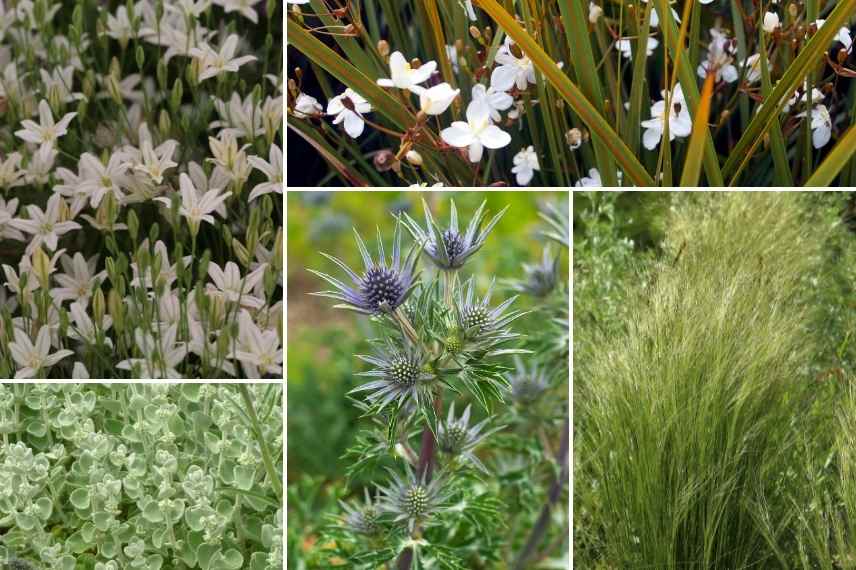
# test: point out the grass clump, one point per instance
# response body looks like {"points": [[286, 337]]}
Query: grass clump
{"points": [[704, 437]]}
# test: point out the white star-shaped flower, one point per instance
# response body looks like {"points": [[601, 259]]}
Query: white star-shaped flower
{"points": [[45, 132], [194, 208], [32, 358], [212, 63], [45, 225], [273, 171]]}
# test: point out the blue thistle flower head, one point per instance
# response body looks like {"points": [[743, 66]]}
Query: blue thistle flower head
{"points": [[456, 437], [527, 384], [399, 375], [412, 499], [362, 518], [480, 326], [540, 278], [383, 286], [448, 248]]}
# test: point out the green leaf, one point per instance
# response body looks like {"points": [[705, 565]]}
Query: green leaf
{"points": [[796, 73], [245, 476], [570, 93], [695, 150], [80, 498], [835, 161]]}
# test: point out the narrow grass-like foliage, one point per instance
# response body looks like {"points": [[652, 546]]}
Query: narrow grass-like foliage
{"points": [[685, 419]]}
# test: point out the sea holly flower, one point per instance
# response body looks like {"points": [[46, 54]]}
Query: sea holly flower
{"points": [[513, 70], [821, 126], [362, 518], [540, 278], [527, 384], [412, 499], [349, 108], [493, 99], [212, 63], [483, 328], [477, 133], [383, 287], [45, 132], [399, 375], [406, 77], [457, 438], [45, 226], [32, 358], [525, 165], [448, 248], [435, 100], [680, 123]]}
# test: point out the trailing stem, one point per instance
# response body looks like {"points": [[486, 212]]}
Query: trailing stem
{"points": [[540, 527], [267, 459]]}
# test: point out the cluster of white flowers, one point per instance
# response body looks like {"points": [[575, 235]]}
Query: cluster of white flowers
{"points": [[512, 75], [721, 61], [81, 179]]}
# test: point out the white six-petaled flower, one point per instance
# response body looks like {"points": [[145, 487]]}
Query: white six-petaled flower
{"points": [[45, 132], [273, 171], [195, 209], [212, 62], [46, 225], [32, 358]]}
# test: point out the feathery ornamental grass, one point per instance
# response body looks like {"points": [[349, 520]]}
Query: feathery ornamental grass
{"points": [[714, 385], [431, 92], [715, 92]]}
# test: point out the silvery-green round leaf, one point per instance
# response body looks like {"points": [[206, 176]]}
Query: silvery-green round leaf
{"points": [[26, 522], [80, 498], [45, 507], [245, 477]]}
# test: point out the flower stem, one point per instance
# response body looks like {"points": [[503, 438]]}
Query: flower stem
{"points": [[424, 467], [275, 478], [540, 527]]}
